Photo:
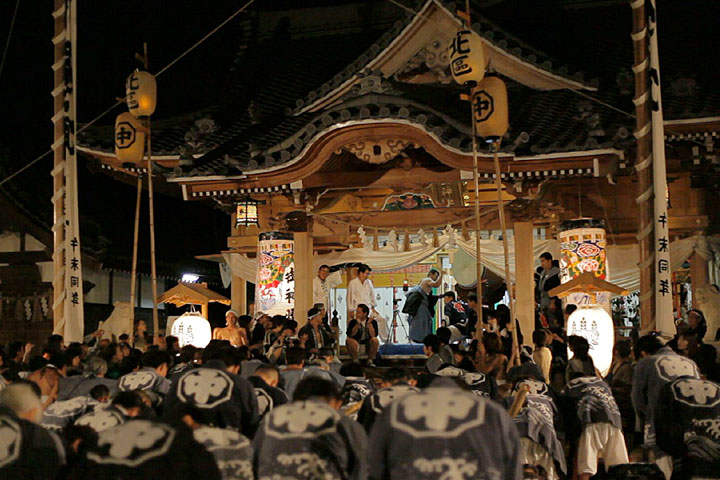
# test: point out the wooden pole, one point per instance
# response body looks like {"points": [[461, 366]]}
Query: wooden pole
{"points": [[58, 171], [476, 179], [643, 164], [508, 283], [151, 208], [153, 267], [133, 274]]}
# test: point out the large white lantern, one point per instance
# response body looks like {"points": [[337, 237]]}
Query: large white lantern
{"points": [[275, 279], [467, 57], [192, 329], [596, 325], [141, 93]]}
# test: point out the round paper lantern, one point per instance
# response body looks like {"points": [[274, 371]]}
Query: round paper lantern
{"points": [[141, 93], [129, 138], [596, 325], [192, 329], [490, 108], [467, 57]]}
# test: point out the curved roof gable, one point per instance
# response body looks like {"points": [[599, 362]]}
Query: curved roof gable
{"points": [[436, 23]]}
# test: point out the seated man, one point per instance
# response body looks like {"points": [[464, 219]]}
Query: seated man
{"points": [[315, 335], [232, 332], [265, 382], [151, 377], [456, 311], [363, 331], [396, 383], [431, 347]]}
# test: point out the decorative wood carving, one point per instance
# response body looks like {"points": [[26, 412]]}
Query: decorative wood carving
{"points": [[378, 151]]}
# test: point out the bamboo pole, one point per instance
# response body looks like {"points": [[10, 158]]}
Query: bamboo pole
{"points": [[153, 268], [133, 274], [501, 212], [478, 266], [643, 164]]}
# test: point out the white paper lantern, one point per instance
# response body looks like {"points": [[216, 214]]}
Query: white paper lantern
{"points": [[467, 57], [192, 329], [141, 94], [596, 325]]}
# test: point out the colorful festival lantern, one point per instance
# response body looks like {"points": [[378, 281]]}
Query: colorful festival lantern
{"points": [[192, 329], [490, 108], [583, 247], [596, 326], [129, 139], [275, 279], [141, 93], [467, 57]]}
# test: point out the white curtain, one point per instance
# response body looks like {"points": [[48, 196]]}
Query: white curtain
{"points": [[622, 259]]}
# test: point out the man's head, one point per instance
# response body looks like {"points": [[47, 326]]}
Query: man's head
{"points": [[231, 317], [444, 335], [323, 272], [546, 261], [395, 375], [56, 343], [101, 393], [622, 350], [160, 360], [295, 356], [434, 273], [96, 366], [426, 285], [363, 272], [23, 399], [321, 307], [131, 403], [140, 326], [646, 346], [269, 374], [431, 345], [569, 309], [319, 389], [352, 369], [314, 317], [448, 297], [472, 300], [362, 312], [327, 353]]}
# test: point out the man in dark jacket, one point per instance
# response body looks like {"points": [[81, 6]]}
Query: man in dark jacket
{"points": [[687, 423], [309, 438], [548, 278], [226, 399], [265, 381]]}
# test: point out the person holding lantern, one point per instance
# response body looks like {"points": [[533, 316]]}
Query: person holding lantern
{"points": [[232, 332]]}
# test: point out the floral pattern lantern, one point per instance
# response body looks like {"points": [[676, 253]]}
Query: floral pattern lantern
{"points": [[584, 249], [275, 279]]}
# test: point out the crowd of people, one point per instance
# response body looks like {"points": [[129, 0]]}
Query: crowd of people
{"points": [[267, 399]]}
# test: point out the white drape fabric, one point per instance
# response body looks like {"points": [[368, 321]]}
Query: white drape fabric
{"points": [[622, 259]]}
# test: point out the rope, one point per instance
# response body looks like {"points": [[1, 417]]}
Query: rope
{"points": [[7, 42], [101, 115]]}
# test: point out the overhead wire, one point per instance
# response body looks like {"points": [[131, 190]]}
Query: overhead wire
{"points": [[7, 42], [108, 110]]}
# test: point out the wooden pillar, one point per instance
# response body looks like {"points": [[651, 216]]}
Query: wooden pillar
{"points": [[238, 295], [304, 273], [205, 310], [699, 275], [643, 167], [524, 280]]}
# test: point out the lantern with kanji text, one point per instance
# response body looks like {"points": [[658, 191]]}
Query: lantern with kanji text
{"points": [[129, 138], [141, 93], [490, 108], [467, 57]]}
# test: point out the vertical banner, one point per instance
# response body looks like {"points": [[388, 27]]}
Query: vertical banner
{"points": [[72, 326], [583, 247], [275, 279], [664, 321]]}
